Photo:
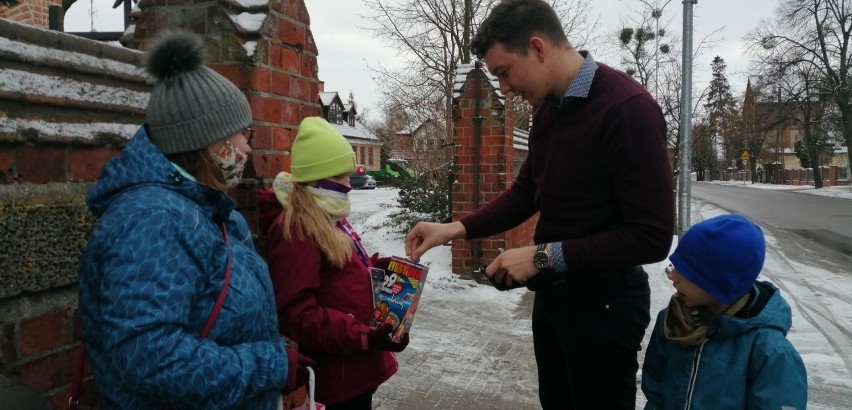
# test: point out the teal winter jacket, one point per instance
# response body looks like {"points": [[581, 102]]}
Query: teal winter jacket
{"points": [[746, 362], [148, 279]]}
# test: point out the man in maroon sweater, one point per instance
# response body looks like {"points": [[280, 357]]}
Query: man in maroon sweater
{"points": [[598, 174]]}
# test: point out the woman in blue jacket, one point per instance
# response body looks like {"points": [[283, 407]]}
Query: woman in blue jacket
{"points": [[721, 343], [167, 234]]}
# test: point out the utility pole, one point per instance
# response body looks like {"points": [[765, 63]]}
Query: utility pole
{"points": [[684, 188]]}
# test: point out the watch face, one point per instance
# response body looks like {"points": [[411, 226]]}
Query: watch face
{"points": [[541, 260]]}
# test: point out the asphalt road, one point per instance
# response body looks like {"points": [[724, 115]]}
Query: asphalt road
{"points": [[810, 260], [824, 220]]}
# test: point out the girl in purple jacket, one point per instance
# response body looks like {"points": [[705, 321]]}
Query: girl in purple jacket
{"points": [[320, 270]]}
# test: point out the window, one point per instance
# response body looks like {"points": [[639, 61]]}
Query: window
{"points": [[370, 158], [335, 113]]}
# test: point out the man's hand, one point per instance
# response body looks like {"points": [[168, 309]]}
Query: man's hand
{"points": [[427, 235], [513, 266]]}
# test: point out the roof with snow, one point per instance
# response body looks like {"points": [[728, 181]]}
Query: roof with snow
{"points": [[327, 97], [356, 134], [520, 139], [462, 74], [39, 67]]}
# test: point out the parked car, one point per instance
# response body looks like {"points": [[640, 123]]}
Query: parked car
{"points": [[370, 183], [359, 178]]}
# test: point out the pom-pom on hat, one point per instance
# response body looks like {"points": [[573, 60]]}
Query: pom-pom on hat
{"points": [[319, 152], [722, 255], [191, 106]]}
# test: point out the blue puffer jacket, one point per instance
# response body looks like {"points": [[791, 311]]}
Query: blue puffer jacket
{"points": [[745, 363], [149, 277]]}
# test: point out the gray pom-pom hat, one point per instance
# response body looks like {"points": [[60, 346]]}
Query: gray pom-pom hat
{"points": [[191, 106]]}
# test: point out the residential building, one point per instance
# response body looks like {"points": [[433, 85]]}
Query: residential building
{"points": [[344, 118]]}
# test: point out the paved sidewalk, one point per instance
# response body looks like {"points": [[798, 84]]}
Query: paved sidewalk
{"points": [[484, 359]]}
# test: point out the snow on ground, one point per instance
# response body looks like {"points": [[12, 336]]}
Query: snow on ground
{"points": [[820, 295]]}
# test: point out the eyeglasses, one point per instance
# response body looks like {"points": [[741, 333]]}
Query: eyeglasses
{"points": [[669, 269], [247, 134]]}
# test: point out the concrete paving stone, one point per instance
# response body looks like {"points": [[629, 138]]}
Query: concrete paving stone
{"points": [[483, 361]]}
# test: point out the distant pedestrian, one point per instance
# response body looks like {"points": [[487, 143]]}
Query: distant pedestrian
{"points": [[598, 175], [176, 306], [721, 343], [320, 270]]}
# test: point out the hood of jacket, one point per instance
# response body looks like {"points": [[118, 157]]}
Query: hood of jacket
{"points": [[764, 310], [268, 208], [141, 164]]}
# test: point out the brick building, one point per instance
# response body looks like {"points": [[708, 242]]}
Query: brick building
{"points": [[770, 120], [344, 117]]}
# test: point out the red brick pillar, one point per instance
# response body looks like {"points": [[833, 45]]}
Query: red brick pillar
{"points": [[275, 64], [483, 130], [30, 12]]}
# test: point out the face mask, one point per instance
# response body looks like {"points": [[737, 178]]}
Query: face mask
{"points": [[333, 186], [231, 162]]}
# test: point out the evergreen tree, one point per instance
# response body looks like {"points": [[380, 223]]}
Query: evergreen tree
{"points": [[721, 108]]}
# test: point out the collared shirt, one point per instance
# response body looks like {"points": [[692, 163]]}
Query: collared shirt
{"points": [[582, 82], [578, 88]]}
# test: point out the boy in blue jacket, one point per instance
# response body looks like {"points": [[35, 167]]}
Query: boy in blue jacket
{"points": [[721, 343]]}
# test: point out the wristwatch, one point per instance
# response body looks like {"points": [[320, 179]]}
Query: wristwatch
{"points": [[541, 259]]}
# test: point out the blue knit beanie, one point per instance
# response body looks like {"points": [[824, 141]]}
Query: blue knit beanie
{"points": [[722, 255]]}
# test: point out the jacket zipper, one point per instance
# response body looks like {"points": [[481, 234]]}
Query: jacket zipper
{"points": [[696, 360]]}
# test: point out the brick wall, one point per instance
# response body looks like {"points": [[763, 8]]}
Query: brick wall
{"points": [[69, 104], [485, 168], [29, 12], [278, 75], [66, 105]]}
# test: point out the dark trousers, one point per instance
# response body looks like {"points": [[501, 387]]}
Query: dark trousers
{"points": [[587, 334], [361, 402]]}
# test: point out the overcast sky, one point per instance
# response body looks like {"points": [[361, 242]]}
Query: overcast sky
{"points": [[345, 50]]}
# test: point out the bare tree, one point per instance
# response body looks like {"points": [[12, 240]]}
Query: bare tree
{"points": [[654, 57], [816, 33], [433, 38], [643, 41], [805, 108]]}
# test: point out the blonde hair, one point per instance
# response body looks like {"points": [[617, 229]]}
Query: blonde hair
{"points": [[312, 221]]}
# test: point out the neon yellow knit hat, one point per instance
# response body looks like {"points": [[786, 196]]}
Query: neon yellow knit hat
{"points": [[319, 152]]}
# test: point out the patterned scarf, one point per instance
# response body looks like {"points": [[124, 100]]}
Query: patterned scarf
{"points": [[335, 204], [686, 326]]}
